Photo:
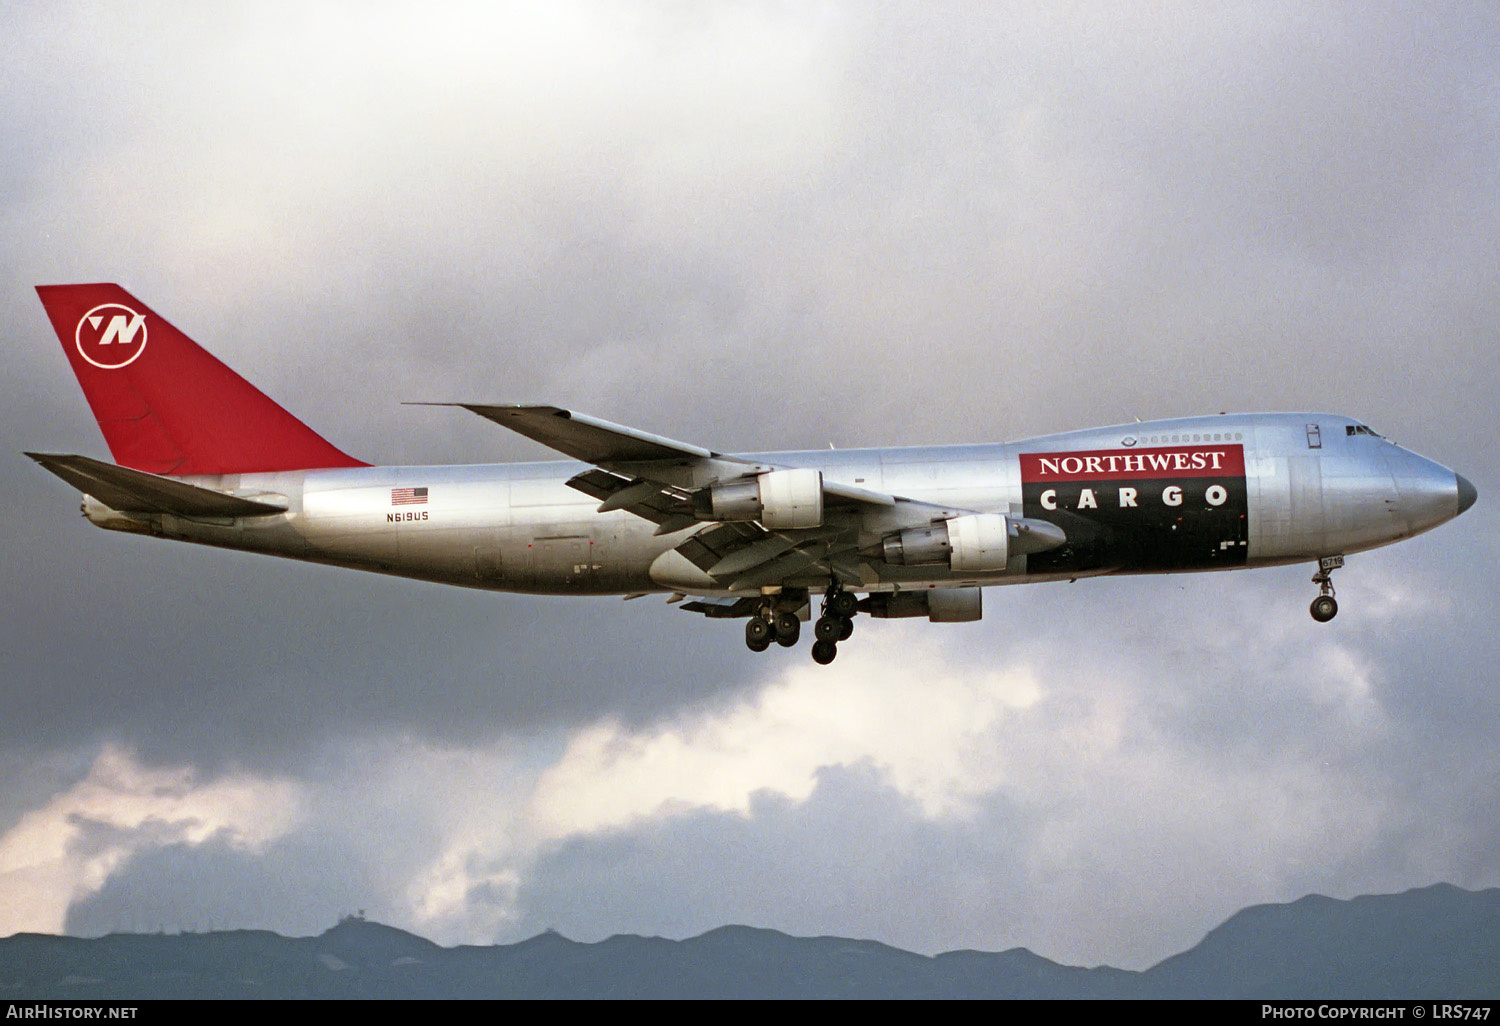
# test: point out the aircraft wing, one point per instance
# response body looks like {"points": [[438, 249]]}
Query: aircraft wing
{"points": [[658, 478], [135, 491], [588, 438], [638, 456]]}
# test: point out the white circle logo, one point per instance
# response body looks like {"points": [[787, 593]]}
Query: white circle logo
{"points": [[111, 336]]}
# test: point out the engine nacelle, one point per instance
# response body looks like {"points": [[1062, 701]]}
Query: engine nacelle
{"points": [[968, 544], [942, 605], [786, 500], [955, 605]]}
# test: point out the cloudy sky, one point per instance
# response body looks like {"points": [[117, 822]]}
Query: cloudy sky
{"points": [[751, 226]]}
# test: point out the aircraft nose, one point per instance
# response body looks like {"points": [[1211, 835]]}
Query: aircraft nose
{"points": [[1430, 493], [1467, 493]]}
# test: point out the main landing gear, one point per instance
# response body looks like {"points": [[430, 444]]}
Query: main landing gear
{"points": [[780, 623], [1325, 607], [835, 625], [782, 626], [758, 633]]}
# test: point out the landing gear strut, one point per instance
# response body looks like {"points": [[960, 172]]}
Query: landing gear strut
{"points": [[1325, 607], [835, 625]]}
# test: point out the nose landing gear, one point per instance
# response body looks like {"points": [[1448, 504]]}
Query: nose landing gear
{"points": [[1325, 607]]}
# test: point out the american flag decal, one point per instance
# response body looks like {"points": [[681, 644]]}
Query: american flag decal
{"points": [[408, 496]]}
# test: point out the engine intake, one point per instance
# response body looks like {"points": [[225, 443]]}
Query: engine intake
{"points": [[785, 500]]}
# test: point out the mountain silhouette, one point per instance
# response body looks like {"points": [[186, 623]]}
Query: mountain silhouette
{"points": [[1438, 942]]}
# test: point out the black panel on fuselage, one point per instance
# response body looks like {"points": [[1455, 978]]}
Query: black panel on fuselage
{"points": [[1147, 509]]}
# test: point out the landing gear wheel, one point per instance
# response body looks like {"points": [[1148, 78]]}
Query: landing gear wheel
{"points": [[846, 628], [788, 629], [757, 630], [843, 603], [824, 651], [1324, 608], [828, 629]]}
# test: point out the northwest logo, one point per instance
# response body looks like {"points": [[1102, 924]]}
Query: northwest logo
{"points": [[111, 336]]}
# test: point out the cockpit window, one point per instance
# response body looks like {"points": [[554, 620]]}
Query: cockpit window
{"points": [[1361, 429]]}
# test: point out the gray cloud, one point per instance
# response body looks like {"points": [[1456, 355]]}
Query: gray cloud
{"points": [[178, 887]]}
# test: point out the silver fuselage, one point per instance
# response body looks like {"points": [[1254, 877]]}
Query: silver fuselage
{"points": [[1310, 489]]}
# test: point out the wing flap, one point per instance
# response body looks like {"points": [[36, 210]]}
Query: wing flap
{"points": [[815, 550], [777, 570], [750, 555], [722, 608], [707, 547], [747, 556], [135, 491], [648, 500]]}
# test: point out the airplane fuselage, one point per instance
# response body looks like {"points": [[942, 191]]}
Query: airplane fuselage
{"points": [[1204, 493], [201, 455]]}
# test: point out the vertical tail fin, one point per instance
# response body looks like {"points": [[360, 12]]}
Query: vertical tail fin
{"points": [[164, 404]]}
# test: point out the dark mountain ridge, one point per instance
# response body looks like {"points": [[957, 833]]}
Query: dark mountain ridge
{"points": [[1438, 942]]}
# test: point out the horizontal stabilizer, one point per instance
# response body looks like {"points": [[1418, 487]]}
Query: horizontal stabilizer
{"points": [[135, 491]]}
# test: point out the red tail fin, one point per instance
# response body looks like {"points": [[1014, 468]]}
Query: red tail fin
{"points": [[164, 404]]}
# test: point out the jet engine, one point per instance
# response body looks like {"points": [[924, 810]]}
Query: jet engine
{"points": [[974, 543], [780, 499], [945, 605]]}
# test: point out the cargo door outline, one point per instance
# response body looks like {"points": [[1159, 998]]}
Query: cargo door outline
{"points": [[564, 557]]}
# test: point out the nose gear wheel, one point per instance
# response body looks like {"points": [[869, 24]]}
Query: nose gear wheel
{"points": [[1325, 607]]}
